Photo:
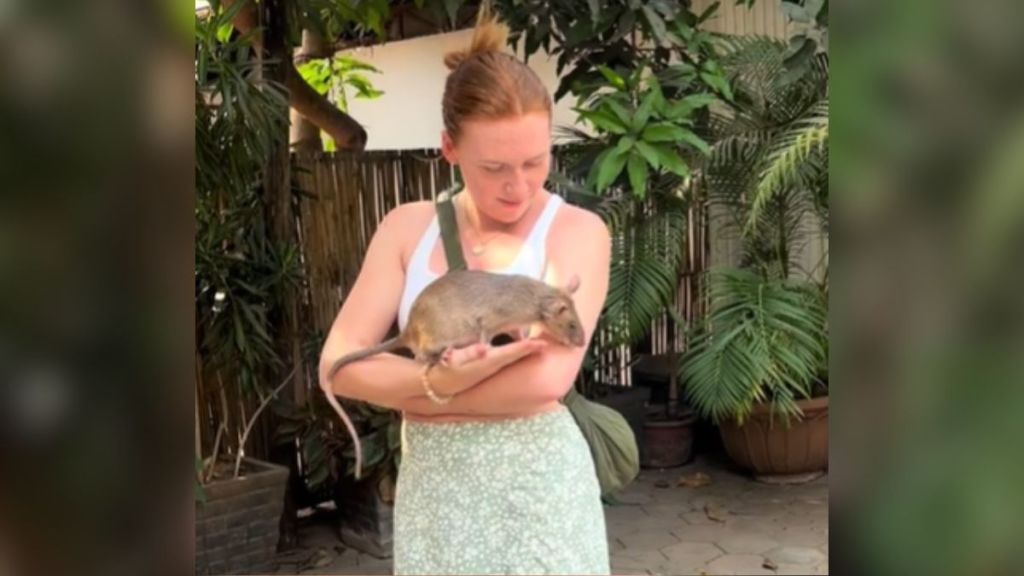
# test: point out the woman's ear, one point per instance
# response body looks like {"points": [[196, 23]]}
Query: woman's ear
{"points": [[448, 148]]}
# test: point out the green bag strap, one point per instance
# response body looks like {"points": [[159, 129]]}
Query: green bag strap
{"points": [[450, 229]]}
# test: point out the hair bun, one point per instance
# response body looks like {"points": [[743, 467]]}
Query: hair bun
{"points": [[453, 59], [489, 35]]}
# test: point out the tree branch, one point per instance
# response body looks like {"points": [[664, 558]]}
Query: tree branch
{"points": [[347, 133]]}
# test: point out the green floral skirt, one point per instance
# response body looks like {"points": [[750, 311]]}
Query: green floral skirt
{"points": [[508, 497]]}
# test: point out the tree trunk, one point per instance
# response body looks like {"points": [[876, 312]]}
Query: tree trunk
{"points": [[347, 133], [305, 136], [278, 193]]}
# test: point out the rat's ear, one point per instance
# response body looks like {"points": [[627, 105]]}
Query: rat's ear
{"points": [[573, 284], [552, 307]]}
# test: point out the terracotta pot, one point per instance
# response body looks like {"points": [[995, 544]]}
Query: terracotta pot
{"points": [[774, 452], [668, 443]]}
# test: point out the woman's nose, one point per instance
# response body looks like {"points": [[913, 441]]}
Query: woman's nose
{"points": [[518, 182]]}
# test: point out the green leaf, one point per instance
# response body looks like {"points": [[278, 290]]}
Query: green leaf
{"points": [[717, 82], [625, 116], [451, 7], [649, 154], [343, 64], [625, 144], [610, 169], [700, 100], [643, 113], [695, 141], [256, 319], [657, 24], [678, 110], [595, 10], [663, 132], [313, 449], [595, 167], [577, 34], [612, 77], [289, 428], [626, 24], [637, 168], [374, 448], [394, 435], [224, 32], [708, 12], [604, 120], [671, 161], [316, 74]]}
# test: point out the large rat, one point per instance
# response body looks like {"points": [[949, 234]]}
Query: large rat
{"points": [[464, 307]]}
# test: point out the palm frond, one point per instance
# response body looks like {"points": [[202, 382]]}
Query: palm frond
{"points": [[791, 150], [763, 342], [647, 247]]}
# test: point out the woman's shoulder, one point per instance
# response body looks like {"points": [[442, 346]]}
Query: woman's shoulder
{"points": [[578, 223], [401, 228], [407, 218], [411, 211]]}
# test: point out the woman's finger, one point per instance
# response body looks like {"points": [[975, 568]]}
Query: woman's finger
{"points": [[461, 356], [514, 351]]}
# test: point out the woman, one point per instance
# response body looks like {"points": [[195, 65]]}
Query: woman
{"points": [[496, 477]]}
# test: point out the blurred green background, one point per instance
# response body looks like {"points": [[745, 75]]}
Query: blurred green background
{"points": [[927, 168], [927, 252]]}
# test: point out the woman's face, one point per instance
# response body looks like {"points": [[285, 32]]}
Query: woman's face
{"points": [[504, 163]]}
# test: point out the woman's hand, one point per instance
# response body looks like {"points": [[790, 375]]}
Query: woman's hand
{"points": [[467, 367]]}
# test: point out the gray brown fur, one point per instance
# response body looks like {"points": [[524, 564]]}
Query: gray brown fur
{"points": [[465, 307]]}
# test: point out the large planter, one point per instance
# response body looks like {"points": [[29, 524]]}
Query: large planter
{"points": [[237, 527], [366, 519], [775, 453], [668, 442]]}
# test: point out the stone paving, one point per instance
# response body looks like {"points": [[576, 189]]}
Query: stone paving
{"points": [[731, 525]]}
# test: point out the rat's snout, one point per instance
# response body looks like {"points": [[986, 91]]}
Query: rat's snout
{"points": [[573, 334], [576, 337]]}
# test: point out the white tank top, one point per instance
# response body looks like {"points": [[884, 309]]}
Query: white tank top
{"points": [[529, 261]]}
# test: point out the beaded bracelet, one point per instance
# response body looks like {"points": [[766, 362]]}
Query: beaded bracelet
{"points": [[434, 396]]}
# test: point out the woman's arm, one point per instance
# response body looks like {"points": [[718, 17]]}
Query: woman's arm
{"points": [[583, 247], [369, 311]]}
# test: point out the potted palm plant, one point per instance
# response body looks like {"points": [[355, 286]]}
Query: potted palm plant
{"points": [[758, 365], [755, 370]]}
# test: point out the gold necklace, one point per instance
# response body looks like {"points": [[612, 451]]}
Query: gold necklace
{"points": [[479, 246]]}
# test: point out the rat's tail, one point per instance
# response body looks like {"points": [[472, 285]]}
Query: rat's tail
{"points": [[385, 346], [351, 430]]}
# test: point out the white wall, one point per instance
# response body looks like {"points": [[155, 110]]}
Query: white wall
{"points": [[412, 77], [765, 18]]}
